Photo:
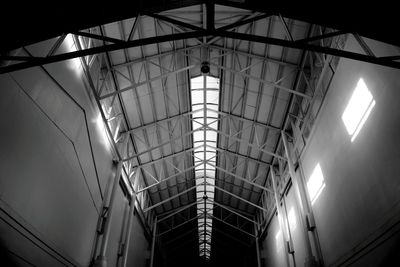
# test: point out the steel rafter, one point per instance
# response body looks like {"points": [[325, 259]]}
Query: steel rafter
{"points": [[38, 61], [231, 225], [147, 81], [240, 198], [248, 144], [168, 199]]}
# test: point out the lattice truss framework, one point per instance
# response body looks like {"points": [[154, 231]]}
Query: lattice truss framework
{"points": [[179, 137]]}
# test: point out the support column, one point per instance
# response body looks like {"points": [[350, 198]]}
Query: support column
{"points": [[101, 260], [128, 234], [301, 200], [153, 243], [285, 236], [257, 246]]}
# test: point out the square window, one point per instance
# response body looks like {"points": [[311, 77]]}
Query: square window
{"points": [[316, 183], [358, 109]]}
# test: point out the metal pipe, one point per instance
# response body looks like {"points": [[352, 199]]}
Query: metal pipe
{"points": [[128, 234], [257, 246], [153, 244], [101, 258]]}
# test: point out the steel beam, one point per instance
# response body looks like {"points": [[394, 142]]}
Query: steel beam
{"points": [[255, 56], [242, 199], [233, 226], [234, 212], [257, 247], [160, 145], [153, 243], [173, 21], [229, 236], [247, 143], [273, 84], [169, 177], [38, 61], [156, 123], [240, 178], [156, 56], [177, 211], [240, 118], [320, 37], [244, 22], [109, 208], [308, 47], [169, 156], [99, 37], [169, 199], [179, 225], [128, 233], [225, 151], [131, 87]]}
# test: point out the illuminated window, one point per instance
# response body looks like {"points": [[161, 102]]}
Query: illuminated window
{"points": [[205, 100], [292, 219], [358, 109], [316, 183], [278, 240]]}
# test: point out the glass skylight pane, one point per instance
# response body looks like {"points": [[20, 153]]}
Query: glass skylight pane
{"points": [[203, 154], [212, 82], [197, 109], [211, 135], [315, 183], [212, 97], [198, 136], [197, 82], [196, 126], [197, 97], [358, 109]]}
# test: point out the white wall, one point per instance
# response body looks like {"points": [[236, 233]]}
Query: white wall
{"points": [[50, 192], [362, 190], [358, 213]]}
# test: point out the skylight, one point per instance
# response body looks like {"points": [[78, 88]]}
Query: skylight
{"points": [[316, 183], [205, 100], [358, 109]]}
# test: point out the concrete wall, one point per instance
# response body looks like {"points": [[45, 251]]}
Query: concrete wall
{"points": [[358, 213], [55, 165], [361, 197]]}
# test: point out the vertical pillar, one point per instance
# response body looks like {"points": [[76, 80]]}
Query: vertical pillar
{"points": [[128, 233], [153, 243], [101, 260], [257, 246], [285, 235], [131, 211], [301, 197]]}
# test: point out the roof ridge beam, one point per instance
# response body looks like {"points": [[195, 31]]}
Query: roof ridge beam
{"points": [[173, 21]]}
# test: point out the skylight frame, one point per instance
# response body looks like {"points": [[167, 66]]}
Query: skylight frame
{"points": [[204, 173]]}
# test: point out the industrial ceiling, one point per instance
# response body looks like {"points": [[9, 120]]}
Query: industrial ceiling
{"points": [[195, 96]]}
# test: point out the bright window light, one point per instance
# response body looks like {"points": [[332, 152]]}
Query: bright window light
{"points": [[278, 240], [205, 100], [315, 184], [292, 219], [358, 109]]}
